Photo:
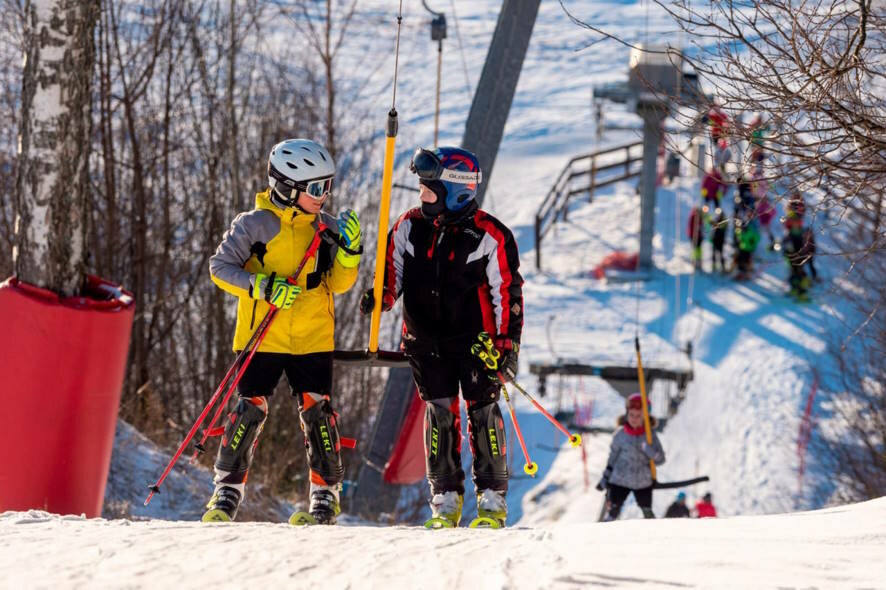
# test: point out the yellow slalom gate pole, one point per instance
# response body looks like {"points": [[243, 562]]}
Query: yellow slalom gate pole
{"points": [[382, 242], [384, 207], [642, 378]]}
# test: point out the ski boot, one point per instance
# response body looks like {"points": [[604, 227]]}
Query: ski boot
{"points": [[324, 507], [223, 505], [492, 510], [445, 510]]}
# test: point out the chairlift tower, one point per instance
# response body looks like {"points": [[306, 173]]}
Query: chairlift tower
{"points": [[655, 80]]}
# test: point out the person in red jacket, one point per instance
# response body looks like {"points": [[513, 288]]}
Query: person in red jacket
{"points": [[456, 268], [704, 508]]}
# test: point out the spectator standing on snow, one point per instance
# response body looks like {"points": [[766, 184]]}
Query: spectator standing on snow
{"points": [[678, 508], [719, 225], [704, 508], [627, 470], [746, 238], [713, 188], [695, 230], [796, 253]]}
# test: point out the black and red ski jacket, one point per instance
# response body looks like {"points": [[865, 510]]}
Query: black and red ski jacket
{"points": [[456, 278]]}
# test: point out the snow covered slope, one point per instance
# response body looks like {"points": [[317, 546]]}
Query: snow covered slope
{"points": [[834, 548], [137, 461]]}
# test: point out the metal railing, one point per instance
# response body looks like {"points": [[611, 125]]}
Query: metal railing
{"points": [[556, 203]]}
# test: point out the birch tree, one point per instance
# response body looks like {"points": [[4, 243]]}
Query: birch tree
{"points": [[52, 179]]}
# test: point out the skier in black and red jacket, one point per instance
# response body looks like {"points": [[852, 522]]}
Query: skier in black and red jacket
{"points": [[456, 267]]}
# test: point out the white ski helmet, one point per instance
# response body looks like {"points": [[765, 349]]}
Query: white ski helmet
{"points": [[299, 165]]}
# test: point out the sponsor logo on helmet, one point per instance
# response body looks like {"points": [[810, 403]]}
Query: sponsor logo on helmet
{"points": [[461, 177]]}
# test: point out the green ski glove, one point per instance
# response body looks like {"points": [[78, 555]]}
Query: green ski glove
{"points": [[350, 235], [277, 291]]}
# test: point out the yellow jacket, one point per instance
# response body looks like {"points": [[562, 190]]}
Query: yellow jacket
{"points": [[269, 239]]}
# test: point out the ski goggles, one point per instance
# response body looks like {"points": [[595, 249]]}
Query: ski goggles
{"points": [[427, 166], [317, 189]]}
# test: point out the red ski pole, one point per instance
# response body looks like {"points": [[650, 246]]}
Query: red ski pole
{"points": [[574, 439], [490, 357], [250, 349], [530, 467], [272, 313], [491, 362]]}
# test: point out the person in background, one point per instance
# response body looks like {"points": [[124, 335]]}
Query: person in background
{"points": [[713, 187], [808, 250], [758, 132], [704, 508], [678, 508], [797, 254], [719, 225], [718, 121], [695, 231], [746, 238], [763, 206], [627, 470]]}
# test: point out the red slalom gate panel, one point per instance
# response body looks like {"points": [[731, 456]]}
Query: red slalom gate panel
{"points": [[407, 463], [62, 362]]}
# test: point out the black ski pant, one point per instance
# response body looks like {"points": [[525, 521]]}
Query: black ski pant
{"points": [[744, 261], [616, 496], [439, 379], [310, 380], [717, 253]]}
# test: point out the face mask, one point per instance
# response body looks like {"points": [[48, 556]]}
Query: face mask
{"points": [[432, 210]]}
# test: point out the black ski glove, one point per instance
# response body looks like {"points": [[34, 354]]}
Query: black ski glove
{"points": [[507, 363], [367, 302], [604, 481]]}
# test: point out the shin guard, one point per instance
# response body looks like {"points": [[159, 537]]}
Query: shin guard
{"points": [[322, 441], [489, 445], [238, 444], [443, 446]]}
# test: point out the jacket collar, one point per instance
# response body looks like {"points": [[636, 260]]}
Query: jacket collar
{"points": [[634, 431], [290, 215]]}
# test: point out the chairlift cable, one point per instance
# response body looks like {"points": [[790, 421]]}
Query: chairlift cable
{"points": [[461, 49], [397, 56]]}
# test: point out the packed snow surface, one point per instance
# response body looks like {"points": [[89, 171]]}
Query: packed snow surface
{"points": [[833, 548]]}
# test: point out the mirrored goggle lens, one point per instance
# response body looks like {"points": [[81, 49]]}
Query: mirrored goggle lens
{"points": [[318, 189], [426, 165]]}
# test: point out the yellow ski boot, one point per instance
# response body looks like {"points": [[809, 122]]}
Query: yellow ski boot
{"points": [[445, 511]]}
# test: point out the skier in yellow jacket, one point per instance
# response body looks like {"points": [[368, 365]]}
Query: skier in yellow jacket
{"points": [[262, 248]]}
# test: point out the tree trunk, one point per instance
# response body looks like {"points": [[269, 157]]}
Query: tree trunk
{"points": [[52, 179]]}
